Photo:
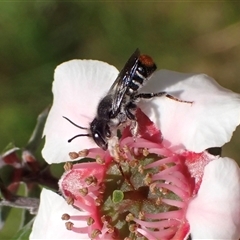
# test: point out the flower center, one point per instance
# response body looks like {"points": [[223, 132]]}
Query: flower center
{"points": [[141, 192]]}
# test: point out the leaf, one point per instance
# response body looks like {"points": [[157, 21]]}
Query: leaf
{"points": [[10, 147], [24, 232], [36, 136]]}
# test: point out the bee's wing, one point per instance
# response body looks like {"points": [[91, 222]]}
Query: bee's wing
{"points": [[121, 84]]}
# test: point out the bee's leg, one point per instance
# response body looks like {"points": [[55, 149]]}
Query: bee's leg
{"points": [[159, 94], [130, 112]]}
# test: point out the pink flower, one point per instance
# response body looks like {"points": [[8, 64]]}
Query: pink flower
{"points": [[200, 193]]}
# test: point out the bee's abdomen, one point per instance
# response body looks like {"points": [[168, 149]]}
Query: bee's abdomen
{"points": [[144, 70]]}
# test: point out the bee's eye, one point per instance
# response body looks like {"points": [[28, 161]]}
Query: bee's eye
{"points": [[96, 135]]}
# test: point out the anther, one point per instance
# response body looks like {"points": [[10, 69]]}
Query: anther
{"points": [[133, 163], [133, 228], [73, 155], [83, 191], [148, 179], [129, 217], [164, 191], [83, 153], [90, 221], [91, 181], [145, 152], [70, 200], [140, 169], [95, 233], [68, 166], [141, 215], [115, 233], [116, 153], [163, 167], [102, 188], [100, 161], [159, 201], [153, 188], [126, 149], [98, 201], [65, 217], [110, 228], [106, 219], [69, 225]]}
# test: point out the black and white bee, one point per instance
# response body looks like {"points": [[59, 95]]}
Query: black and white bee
{"points": [[120, 103]]}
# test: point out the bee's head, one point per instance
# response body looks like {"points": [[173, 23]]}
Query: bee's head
{"points": [[100, 132]]}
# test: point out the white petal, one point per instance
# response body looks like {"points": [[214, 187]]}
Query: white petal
{"points": [[78, 86], [215, 212], [208, 122], [48, 223]]}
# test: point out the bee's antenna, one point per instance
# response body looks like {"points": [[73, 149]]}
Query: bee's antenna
{"points": [[74, 123], [79, 135]]}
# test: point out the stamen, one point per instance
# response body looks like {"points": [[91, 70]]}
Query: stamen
{"points": [[165, 172], [180, 192], [175, 181], [161, 162], [96, 152], [161, 151], [67, 217], [70, 226], [140, 143], [175, 203], [178, 214], [158, 224], [163, 234]]}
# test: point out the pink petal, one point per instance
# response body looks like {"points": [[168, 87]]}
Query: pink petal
{"points": [[48, 223], [78, 86], [208, 122], [215, 212]]}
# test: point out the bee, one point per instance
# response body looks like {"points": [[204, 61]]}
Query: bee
{"points": [[120, 103]]}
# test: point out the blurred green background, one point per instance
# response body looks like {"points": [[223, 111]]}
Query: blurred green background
{"points": [[37, 36]]}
